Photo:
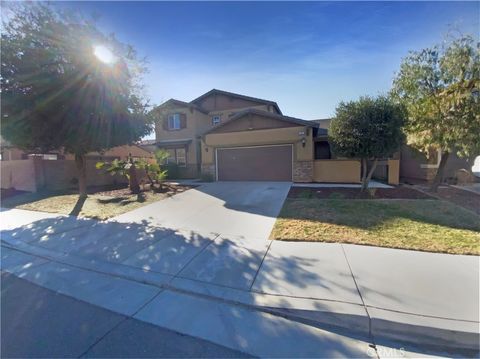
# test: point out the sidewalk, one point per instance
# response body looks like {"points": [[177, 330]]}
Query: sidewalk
{"points": [[37, 322], [240, 329], [376, 293]]}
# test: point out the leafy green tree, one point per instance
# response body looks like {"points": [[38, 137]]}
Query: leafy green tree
{"points": [[368, 129], [65, 85], [439, 88]]}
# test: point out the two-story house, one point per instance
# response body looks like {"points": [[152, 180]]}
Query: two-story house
{"points": [[235, 137]]}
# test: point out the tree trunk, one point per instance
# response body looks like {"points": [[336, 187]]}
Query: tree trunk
{"points": [[364, 172], [81, 163], [369, 176], [133, 180], [439, 175]]}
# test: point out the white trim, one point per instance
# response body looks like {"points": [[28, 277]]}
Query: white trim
{"points": [[174, 117], [237, 147], [216, 164], [218, 117]]}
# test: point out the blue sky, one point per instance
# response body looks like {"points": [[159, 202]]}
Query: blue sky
{"points": [[307, 56]]}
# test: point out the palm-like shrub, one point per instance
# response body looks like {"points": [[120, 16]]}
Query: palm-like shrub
{"points": [[126, 168]]}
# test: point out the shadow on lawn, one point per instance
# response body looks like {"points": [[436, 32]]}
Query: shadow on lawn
{"points": [[370, 214], [124, 200], [78, 206]]}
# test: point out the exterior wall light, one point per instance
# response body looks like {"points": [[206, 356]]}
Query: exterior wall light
{"points": [[303, 142]]}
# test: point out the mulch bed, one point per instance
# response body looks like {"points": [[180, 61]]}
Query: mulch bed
{"points": [[466, 199], [399, 192], [166, 188]]}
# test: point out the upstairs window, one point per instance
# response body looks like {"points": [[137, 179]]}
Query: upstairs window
{"points": [[216, 120], [174, 121]]}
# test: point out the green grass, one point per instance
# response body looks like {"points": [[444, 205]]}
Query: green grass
{"points": [[95, 206], [427, 225]]}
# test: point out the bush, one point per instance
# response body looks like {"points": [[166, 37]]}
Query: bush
{"points": [[206, 177], [369, 129]]}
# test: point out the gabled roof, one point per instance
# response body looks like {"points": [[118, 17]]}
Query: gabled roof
{"points": [[184, 141], [231, 94], [146, 142], [320, 120], [179, 103], [252, 111]]}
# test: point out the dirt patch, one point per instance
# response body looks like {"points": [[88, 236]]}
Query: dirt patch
{"points": [[102, 202], [399, 192], [465, 199], [166, 188]]}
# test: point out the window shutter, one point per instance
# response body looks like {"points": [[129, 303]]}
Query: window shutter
{"points": [[183, 120], [165, 123]]}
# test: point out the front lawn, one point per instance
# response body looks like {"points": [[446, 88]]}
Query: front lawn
{"points": [[419, 224], [99, 205]]}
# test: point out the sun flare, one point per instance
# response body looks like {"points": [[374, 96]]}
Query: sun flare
{"points": [[104, 54]]}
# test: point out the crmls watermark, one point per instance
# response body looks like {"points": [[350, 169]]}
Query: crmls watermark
{"points": [[384, 352]]}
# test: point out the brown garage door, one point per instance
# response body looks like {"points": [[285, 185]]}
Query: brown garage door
{"points": [[261, 163]]}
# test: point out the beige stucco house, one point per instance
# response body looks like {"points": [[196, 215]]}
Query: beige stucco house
{"points": [[228, 136]]}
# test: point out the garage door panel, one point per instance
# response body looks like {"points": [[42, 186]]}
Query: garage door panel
{"points": [[261, 163]]}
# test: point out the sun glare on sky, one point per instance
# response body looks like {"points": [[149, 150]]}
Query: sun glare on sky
{"points": [[104, 54]]}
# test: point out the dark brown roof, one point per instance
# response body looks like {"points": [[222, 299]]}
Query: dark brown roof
{"points": [[320, 120], [226, 93], [265, 114], [179, 103], [147, 142], [184, 141]]}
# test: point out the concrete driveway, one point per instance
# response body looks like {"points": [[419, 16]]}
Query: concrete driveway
{"points": [[216, 233], [243, 209], [220, 231]]}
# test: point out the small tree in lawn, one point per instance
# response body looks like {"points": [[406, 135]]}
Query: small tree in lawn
{"points": [[368, 129], [65, 85], [126, 168], [439, 88], [154, 171]]}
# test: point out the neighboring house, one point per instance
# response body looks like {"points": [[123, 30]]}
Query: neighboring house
{"points": [[11, 153], [416, 166], [228, 136], [119, 152], [57, 171], [148, 145]]}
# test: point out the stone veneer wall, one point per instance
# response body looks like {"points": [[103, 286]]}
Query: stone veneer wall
{"points": [[208, 170], [188, 172], [302, 171]]}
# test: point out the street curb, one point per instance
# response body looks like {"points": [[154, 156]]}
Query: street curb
{"points": [[435, 333]]}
